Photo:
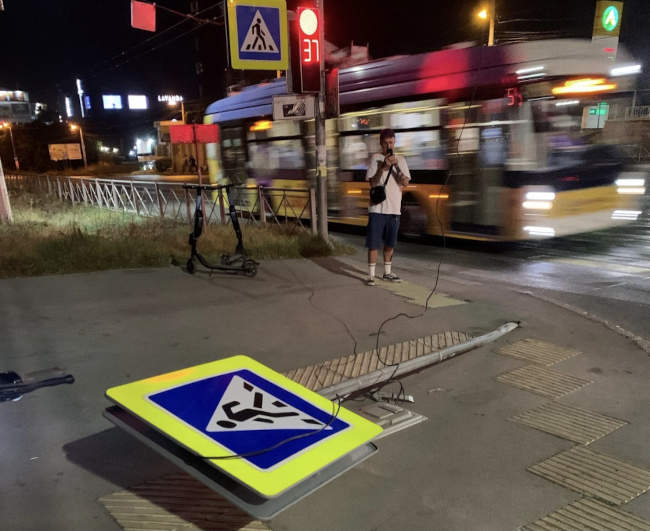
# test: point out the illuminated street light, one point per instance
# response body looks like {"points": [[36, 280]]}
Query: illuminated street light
{"points": [[487, 13], [173, 103], [74, 127]]}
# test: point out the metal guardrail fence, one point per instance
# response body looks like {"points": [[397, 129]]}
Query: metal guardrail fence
{"points": [[254, 204], [638, 113]]}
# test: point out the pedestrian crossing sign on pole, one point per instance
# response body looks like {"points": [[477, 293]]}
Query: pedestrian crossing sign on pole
{"points": [[266, 431], [257, 34]]}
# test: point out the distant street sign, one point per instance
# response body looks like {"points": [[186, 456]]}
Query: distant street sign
{"points": [[266, 431], [257, 34], [293, 107], [607, 19], [143, 15], [65, 151]]}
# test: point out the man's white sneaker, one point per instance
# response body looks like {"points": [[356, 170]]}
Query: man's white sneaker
{"points": [[392, 277], [370, 282]]}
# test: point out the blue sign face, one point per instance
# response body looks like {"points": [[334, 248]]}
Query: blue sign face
{"points": [[247, 413], [258, 33]]}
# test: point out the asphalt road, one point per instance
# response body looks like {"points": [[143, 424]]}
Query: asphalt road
{"points": [[606, 273]]}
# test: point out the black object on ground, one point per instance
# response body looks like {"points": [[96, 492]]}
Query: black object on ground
{"points": [[13, 388], [238, 263]]}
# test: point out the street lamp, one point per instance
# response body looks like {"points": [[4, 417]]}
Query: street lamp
{"points": [[74, 127], [488, 12], [173, 104], [7, 125]]}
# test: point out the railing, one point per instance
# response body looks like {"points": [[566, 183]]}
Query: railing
{"points": [[638, 113], [254, 204]]}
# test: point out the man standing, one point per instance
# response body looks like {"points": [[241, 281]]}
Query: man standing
{"points": [[391, 171]]}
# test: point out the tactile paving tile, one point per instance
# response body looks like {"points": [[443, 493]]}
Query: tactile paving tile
{"points": [[330, 372], [588, 514], [177, 502], [568, 422], [603, 477], [537, 351], [543, 381]]}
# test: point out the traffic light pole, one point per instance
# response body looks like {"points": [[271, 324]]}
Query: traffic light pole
{"points": [[321, 147]]}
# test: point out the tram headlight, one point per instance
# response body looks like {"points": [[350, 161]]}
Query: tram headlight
{"points": [[631, 186], [537, 205], [542, 232], [539, 200]]}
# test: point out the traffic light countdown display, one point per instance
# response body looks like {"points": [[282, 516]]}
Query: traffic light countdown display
{"points": [[310, 48]]}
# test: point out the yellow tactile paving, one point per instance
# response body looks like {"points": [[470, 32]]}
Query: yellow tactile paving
{"points": [[588, 514], [537, 351], [177, 502], [543, 381], [572, 423], [594, 474]]}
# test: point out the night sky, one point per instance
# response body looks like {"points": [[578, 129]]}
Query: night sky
{"points": [[49, 43]]}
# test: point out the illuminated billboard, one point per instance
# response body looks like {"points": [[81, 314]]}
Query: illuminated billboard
{"points": [[111, 101], [137, 102]]}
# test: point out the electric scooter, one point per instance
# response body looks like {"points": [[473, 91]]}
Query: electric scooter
{"points": [[235, 264]]}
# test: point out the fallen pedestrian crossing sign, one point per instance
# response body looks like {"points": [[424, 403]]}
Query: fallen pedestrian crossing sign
{"points": [[262, 429], [257, 34]]}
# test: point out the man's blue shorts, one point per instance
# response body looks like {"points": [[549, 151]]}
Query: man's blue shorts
{"points": [[382, 229]]}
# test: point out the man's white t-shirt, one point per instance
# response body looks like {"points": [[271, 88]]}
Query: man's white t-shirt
{"points": [[393, 202]]}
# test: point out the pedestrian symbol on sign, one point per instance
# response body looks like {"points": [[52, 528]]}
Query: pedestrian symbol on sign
{"points": [[245, 406], [258, 38]]}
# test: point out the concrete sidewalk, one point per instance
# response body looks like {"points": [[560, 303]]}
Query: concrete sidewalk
{"points": [[465, 468]]}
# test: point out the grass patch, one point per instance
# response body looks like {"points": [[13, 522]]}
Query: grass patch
{"points": [[50, 237]]}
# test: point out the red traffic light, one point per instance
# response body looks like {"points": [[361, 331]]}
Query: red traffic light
{"points": [[310, 45], [308, 21]]}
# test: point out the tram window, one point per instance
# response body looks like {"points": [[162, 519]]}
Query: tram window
{"points": [[275, 155], [422, 149], [356, 150], [277, 128]]}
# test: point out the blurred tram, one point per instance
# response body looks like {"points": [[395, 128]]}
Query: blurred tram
{"points": [[503, 143]]}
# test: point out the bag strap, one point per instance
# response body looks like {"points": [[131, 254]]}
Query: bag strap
{"points": [[390, 170]]}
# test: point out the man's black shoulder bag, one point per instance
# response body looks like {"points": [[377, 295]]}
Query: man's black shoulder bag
{"points": [[378, 193]]}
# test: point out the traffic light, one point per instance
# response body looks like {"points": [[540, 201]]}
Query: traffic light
{"points": [[310, 48]]}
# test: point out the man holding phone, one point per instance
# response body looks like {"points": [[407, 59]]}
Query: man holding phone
{"points": [[391, 171]]}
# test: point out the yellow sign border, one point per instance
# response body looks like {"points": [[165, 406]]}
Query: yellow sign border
{"points": [[269, 483], [233, 37]]}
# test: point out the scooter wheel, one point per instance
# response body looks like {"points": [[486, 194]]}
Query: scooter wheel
{"points": [[250, 268], [190, 266]]}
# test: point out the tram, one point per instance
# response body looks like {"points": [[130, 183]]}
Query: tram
{"points": [[503, 143]]}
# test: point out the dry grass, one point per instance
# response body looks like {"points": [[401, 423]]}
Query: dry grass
{"points": [[51, 237]]}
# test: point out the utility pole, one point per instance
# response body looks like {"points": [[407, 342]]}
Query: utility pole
{"points": [[5, 206], [321, 147]]}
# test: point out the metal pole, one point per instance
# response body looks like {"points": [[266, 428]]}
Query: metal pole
{"points": [[492, 15], [6, 215], [83, 147], [321, 148], [13, 147]]}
